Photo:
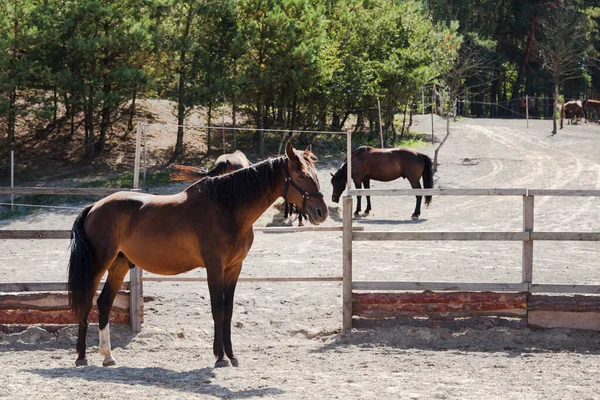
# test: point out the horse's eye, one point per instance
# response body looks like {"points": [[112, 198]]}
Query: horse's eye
{"points": [[302, 176]]}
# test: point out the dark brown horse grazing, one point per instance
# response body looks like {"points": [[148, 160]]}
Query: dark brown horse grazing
{"points": [[385, 165], [225, 164], [207, 225]]}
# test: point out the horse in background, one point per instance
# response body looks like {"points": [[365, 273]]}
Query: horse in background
{"points": [[224, 164], [207, 225], [591, 107], [572, 111], [385, 165]]}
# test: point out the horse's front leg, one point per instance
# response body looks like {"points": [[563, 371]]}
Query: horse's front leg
{"points": [[367, 184], [300, 223], [358, 185], [231, 277], [214, 274]]}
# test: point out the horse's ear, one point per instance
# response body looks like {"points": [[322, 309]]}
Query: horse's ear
{"points": [[331, 173], [289, 151], [308, 149]]}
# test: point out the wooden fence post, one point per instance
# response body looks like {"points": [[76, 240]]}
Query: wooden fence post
{"points": [[527, 262], [347, 261], [136, 165], [136, 299], [527, 109]]}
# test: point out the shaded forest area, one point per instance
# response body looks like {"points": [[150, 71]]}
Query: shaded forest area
{"points": [[76, 70]]}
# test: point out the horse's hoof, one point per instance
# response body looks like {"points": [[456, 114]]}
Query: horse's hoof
{"points": [[415, 217], [81, 362], [221, 363], [234, 362], [109, 362], [300, 223]]}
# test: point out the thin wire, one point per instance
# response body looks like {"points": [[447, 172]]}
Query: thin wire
{"points": [[43, 206]]}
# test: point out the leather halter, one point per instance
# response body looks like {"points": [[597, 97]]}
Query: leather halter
{"points": [[305, 195]]}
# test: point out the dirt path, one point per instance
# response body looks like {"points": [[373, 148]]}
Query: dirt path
{"points": [[286, 334]]}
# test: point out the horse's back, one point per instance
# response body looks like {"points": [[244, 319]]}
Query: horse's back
{"points": [[388, 164]]}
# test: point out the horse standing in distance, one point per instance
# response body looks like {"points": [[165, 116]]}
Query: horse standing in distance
{"points": [[224, 164], [385, 165], [208, 225], [571, 110], [590, 107]]}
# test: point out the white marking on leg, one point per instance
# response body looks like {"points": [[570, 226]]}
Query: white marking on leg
{"points": [[105, 346]]}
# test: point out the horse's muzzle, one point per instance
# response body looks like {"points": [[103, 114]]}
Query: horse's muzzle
{"points": [[335, 199]]}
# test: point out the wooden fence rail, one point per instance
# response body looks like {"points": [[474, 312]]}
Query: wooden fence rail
{"points": [[353, 303]]}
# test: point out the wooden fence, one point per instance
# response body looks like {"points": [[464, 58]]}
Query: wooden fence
{"points": [[543, 311], [47, 302]]}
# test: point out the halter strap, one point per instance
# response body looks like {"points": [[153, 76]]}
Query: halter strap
{"points": [[305, 195]]}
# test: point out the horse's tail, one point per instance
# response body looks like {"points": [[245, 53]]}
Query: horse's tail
{"points": [[80, 267], [427, 176]]}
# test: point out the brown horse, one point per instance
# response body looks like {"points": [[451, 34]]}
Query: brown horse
{"points": [[225, 164], [572, 110], [207, 225], [590, 106], [384, 165]]}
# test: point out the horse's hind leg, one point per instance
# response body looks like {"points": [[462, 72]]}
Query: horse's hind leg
{"points": [[367, 184], [116, 275], [358, 185], [415, 184], [81, 345]]}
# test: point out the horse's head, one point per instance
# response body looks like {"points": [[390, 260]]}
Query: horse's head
{"points": [[338, 181], [302, 184]]}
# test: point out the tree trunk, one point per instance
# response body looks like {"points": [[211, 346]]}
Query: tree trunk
{"points": [[89, 116], [234, 108], [209, 131], [261, 125], [555, 108], [181, 89], [55, 107], [106, 109], [525, 61]]}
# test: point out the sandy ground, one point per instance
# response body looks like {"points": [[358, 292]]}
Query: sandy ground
{"points": [[286, 335]]}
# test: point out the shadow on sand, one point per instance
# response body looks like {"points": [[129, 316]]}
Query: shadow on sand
{"points": [[198, 381]]}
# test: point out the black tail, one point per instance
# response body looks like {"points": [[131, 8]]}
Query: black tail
{"points": [[427, 176], [80, 267]]}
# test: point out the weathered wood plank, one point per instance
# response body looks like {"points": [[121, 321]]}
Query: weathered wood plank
{"points": [[347, 265], [64, 191], [51, 301], [15, 287], [136, 299], [34, 234], [158, 278], [563, 192], [574, 303], [573, 236], [382, 305], [437, 192], [440, 286], [55, 317], [286, 229], [378, 235], [527, 248], [564, 319], [564, 288]]}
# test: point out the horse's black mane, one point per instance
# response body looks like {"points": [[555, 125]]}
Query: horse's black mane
{"points": [[244, 186]]}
